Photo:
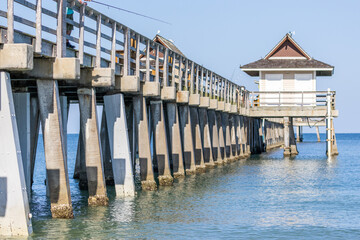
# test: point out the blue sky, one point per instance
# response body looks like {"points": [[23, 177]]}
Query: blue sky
{"points": [[222, 35]]}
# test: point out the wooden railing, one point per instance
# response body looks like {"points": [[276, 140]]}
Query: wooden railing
{"points": [[115, 46], [291, 99]]}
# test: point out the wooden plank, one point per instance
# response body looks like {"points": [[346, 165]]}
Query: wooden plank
{"points": [[38, 37], [98, 42], [81, 33], [10, 21]]}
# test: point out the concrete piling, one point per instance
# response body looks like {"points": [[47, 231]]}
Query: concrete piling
{"points": [[197, 142], [221, 136], [143, 140], [34, 133], [317, 133], [187, 139], [93, 155], [161, 153], [214, 136], [233, 137], [15, 217], [122, 163], [175, 144], [106, 152], [292, 139], [55, 155], [205, 136]]}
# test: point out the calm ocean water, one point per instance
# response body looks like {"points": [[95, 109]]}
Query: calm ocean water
{"points": [[264, 197]]}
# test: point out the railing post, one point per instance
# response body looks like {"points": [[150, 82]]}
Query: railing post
{"points": [[173, 69], [165, 70], [211, 85], [186, 73], [61, 29], [202, 82], [328, 124], [113, 46], [197, 79], [192, 78], [10, 21], [137, 61], [147, 78], [180, 73], [207, 86], [98, 41], [126, 52], [38, 39], [81, 33], [157, 77]]}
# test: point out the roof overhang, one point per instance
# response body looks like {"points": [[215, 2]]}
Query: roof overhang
{"points": [[254, 72]]}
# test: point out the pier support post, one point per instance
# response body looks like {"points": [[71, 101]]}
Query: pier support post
{"points": [[55, 154], [293, 147], [287, 150], [80, 166], [146, 165], [161, 153], [205, 136], [105, 149], [187, 139], [14, 204], [317, 133], [247, 135], [334, 149], [233, 138], [221, 137], [227, 137], [93, 156], [214, 135], [174, 140], [34, 133], [198, 146], [122, 163], [22, 112]]}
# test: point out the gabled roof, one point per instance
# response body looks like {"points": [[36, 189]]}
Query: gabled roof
{"points": [[168, 44], [287, 48], [288, 55]]}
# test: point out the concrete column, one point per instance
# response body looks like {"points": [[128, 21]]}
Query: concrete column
{"points": [[318, 133], [187, 139], [146, 165], [161, 153], [221, 136], [298, 133], [243, 136], [248, 133], [205, 136], [292, 139], [22, 112], [174, 140], [214, 134], [34, 133], [55, 155], [80, 166], [334, 148], [233, 140], [105, 149], [14, 205], [240, 137], [198, 145], [227, 137], [122, 163], [93, 155], [287, 150]]}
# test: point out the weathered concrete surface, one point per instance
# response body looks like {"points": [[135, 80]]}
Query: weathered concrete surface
{"points": [[233, 108], [293, 111], [204, 102], [127, 84], [187, 139], [161, 153], [122, 164], [22, 111], [293, 148], [205, 137], [194, 99], [16, 57], [55, 156], [334, 148], [97, 77], [150, 89], [174, 140], [168, 93], [14, 204], [106, 151], [221, 106], [93, 155], [221, 136], [227, 137], [34, 133], [198, 145], [227, 107], [287, 150], [182, 97], [214, 135], [143, 138], [213, 104], [233, 137]]}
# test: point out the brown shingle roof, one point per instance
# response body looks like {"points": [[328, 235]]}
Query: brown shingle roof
{"points": [[286, 63], [170, 45]]}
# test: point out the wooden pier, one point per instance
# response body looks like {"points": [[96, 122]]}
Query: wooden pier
{"points": [[162, 112]]}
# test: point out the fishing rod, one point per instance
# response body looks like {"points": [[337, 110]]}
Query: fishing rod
{"points": [[128, 11]]}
